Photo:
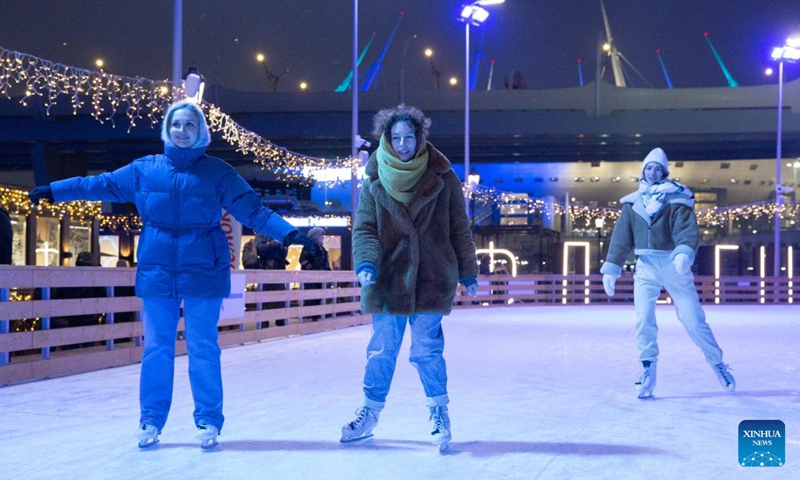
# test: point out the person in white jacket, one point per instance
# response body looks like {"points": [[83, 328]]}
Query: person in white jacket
{"points": [[659, 226]]}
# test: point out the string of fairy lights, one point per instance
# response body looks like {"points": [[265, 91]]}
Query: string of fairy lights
{"points": [[278, 159], [522, 204], [739, 216], [101, 94], [16, 202], [105, 96]]}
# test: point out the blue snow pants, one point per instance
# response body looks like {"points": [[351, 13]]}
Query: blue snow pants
{"points": [[160, 317]]}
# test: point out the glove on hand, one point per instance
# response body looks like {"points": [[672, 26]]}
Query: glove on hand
{"points": [[472, 290], [41, 193], [609, 281], [299, 238], [681, 262], [365, 278]]}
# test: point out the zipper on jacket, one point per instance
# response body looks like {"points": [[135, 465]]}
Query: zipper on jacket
{"points": [[177, 206]]}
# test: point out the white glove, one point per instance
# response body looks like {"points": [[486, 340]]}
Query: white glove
{"points": [[365, 278], [681, 262], [609, 281], [472, 290]]}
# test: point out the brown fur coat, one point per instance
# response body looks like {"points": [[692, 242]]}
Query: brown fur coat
{"points": [[421, 251]]}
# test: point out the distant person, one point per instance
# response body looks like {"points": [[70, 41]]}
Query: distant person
{"points": [[499, 270], [182, 257], [6, 237], [412, 245], [120, 317], [272, 256], [485, 265], [250, 256], [316, 261], [658, 225], [320, 260]]}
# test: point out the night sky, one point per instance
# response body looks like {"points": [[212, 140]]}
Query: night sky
{"points": [[312, 38]]}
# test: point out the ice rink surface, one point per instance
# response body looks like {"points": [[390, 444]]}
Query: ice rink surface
{"points": [[536, 393]]}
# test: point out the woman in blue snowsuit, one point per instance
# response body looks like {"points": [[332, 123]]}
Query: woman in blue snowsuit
{"points": [[183, 256]]}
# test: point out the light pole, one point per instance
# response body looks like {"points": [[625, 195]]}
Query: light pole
{"points": [[472, 14], [789, 52], [177, 47], [356, 140]]}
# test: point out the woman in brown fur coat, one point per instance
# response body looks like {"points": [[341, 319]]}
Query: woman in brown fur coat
{"points": [[412, 246]]}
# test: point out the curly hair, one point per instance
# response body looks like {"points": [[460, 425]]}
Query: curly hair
{"points": [[384, 120]]}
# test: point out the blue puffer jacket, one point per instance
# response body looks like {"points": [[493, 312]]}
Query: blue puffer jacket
{"points": [[183, 252]]}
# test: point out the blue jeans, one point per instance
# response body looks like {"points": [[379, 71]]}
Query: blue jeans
{"points": [[427, 345], [653, 271], [160, 317]]}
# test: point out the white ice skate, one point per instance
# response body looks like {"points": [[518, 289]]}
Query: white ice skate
{"points": [[147, 435], [647, 381], [725, 377], [207, 434], [361, 428], [440, 422]]}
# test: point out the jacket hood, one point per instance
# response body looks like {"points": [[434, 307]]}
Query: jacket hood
{"points": [[203, 134]]}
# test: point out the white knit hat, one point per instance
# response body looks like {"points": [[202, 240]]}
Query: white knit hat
{"points": [[658, 156]]}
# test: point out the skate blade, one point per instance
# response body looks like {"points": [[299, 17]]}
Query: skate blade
{"points": [[443, 448], [208, 444], [645, 395], [356, 439], [150, 442]]}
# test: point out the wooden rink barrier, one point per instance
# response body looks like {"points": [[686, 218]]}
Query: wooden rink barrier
{"points": [[277, 304]]}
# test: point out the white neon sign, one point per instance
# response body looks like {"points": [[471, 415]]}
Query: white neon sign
{"points": [[512, 260], [717, 252], [790, 271], [565, 263]]}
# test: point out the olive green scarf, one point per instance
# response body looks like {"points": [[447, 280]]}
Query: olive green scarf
{"points": [[398, 177]]}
